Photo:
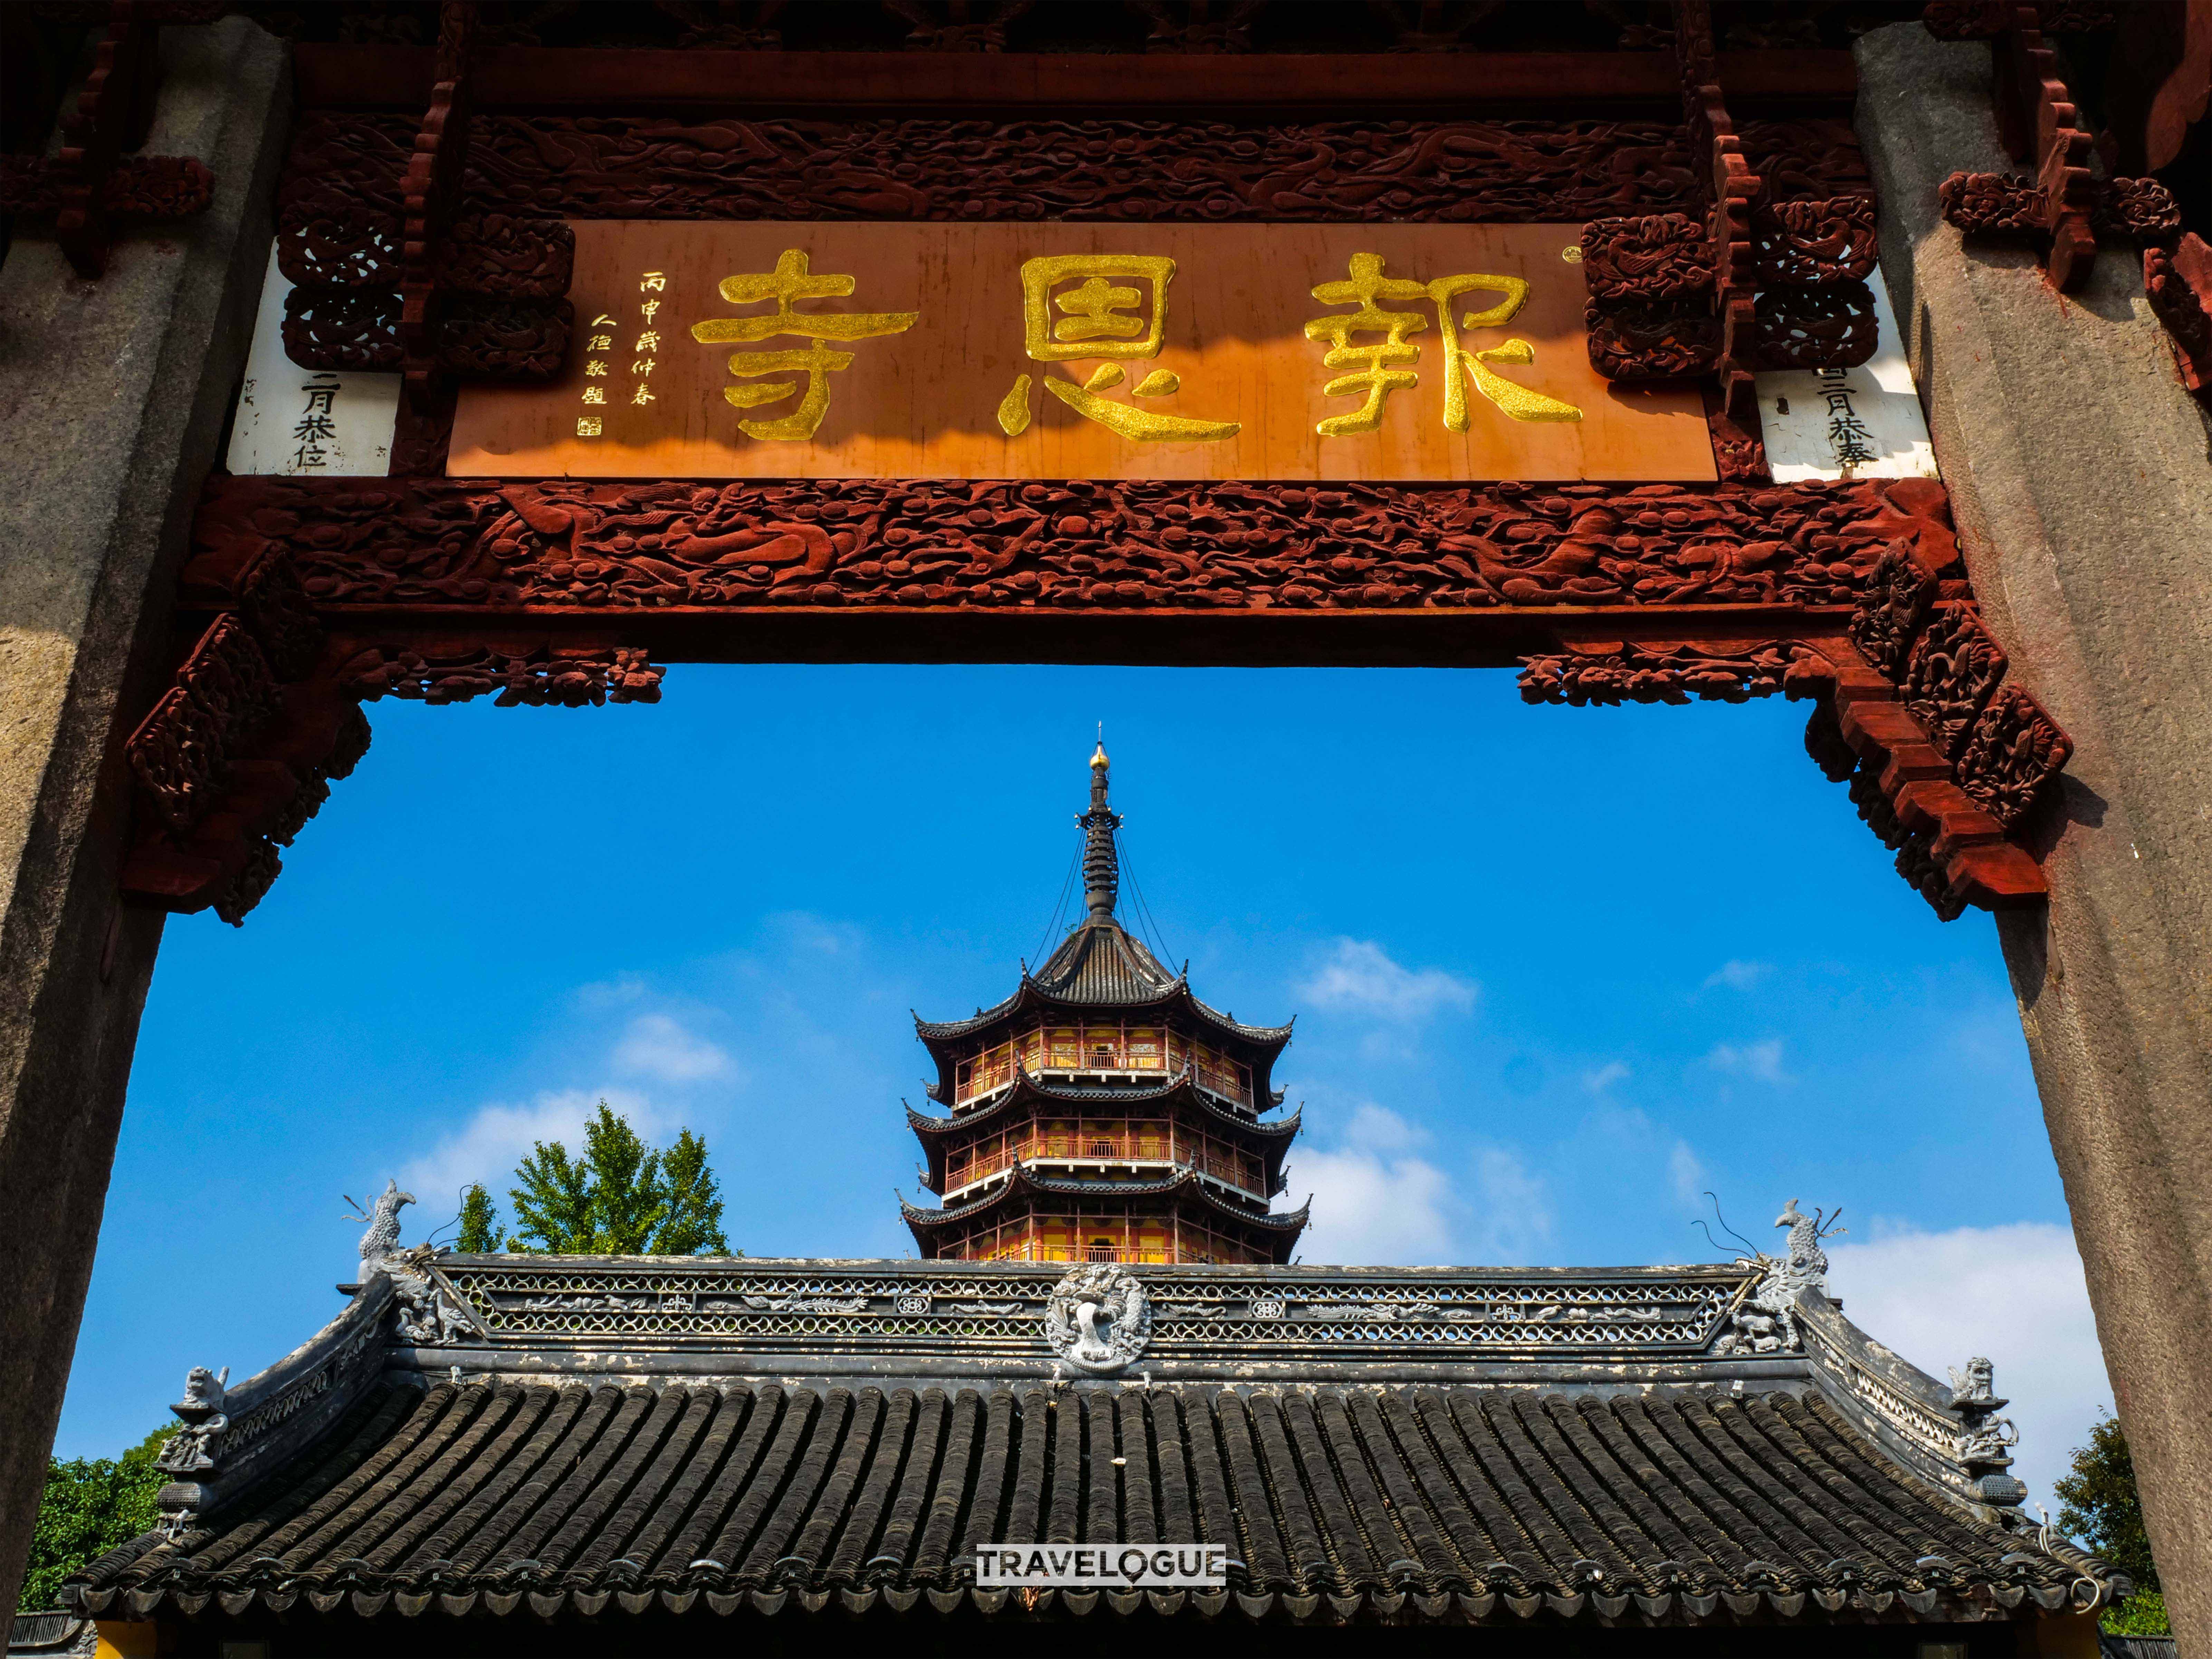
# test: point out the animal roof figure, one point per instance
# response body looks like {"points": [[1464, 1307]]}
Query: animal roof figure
{"points": [[382, 1237]]}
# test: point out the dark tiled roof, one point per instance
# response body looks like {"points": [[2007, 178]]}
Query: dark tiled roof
{"points": [[1101, 962], [1101, 965], [1449, 1502]]}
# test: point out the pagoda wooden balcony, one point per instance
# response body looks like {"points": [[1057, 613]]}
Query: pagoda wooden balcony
{"points": [[1104, 1151]]}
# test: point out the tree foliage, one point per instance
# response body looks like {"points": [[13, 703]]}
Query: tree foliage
{"points": [[619, 1197], [480, 1231], [2100, 1507], [91, 1505]]}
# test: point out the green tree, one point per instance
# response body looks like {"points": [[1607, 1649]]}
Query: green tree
{"points": [[2100, 1507], [480, 1233], [91, 1504], [620, 1197]]}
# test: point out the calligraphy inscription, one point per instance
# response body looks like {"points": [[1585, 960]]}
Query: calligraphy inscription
{"points": [[1281, 352]]}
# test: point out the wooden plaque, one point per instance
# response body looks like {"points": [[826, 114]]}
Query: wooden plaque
{"points": [[928, 350]]}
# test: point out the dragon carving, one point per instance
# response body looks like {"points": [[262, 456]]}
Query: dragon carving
{"points": [[1765, 1321], [1098, 1319]]}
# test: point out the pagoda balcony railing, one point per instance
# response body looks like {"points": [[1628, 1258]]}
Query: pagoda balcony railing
{"points": [[1242, 1174], [1103, 1052], [1031, 1250]]}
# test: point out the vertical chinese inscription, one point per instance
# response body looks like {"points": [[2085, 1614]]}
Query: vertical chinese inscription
{"points": [[1847, 433], [645, 351], [600, 341], [792, 279], [318, 422]]}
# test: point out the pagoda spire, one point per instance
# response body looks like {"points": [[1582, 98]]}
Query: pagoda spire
{"points": [[1101, 866]]}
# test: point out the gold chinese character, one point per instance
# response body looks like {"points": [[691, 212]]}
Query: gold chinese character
{"points": [[1104, 318], [1382, 366], [1383, 372], [595, 370], [604, 321], [648, 341], [792, 280], [1515, 401], [595, 394], [648, 308], [652, 279], [642, 396], [642, 366], [601, 343], [587, 426]]}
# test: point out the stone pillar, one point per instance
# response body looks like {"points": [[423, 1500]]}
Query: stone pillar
{"points": [[113, 400], [2079, 472]]}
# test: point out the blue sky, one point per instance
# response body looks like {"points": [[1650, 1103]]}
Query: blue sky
{"points": [[1556, 973]]}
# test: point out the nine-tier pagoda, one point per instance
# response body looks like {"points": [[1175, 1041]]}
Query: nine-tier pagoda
{"points": [[1103, 1112]]}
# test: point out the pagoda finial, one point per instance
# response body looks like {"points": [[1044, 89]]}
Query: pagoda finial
{"points": [[1102, 869]]}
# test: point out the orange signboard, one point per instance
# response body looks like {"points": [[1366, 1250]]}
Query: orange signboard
{"points": [[781, 350]]}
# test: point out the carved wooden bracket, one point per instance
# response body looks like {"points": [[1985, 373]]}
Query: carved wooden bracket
{"points": [[2063, 211], [238, 754], [2178, 286], [94, 180], [1945, 762], [413, 283], [1755, 284]]}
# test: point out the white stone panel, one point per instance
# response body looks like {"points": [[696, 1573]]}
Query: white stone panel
{"points": [[1819, 423], [296, 421]]}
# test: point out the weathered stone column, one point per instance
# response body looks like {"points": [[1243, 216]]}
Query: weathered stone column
{"points": [[112, 397], [2081, 477]]}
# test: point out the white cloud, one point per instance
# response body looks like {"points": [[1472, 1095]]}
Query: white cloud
{"points": [[660, 1046], [1374, 1205], [1515, 1206], [1359, 976], [1738, 975], [1686, 1174], [2014, 1293], [600, 995], [491, 1143], [1759, 1060], [1613, 1071]]}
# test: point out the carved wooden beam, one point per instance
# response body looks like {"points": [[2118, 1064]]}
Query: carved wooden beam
{"points": [[951, 569], [93, 180], [595, 79], [569, 593], [2063, 211]]}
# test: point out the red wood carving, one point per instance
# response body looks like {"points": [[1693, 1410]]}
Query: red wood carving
{"points": [[1946, 766], [1605, 673], [1953, 669], [2013, 749], [2178, 286], [90, 180], [1652, 257], [937, 168], [2062, 211], [394, 274], [231, 763], [533, 677], [1076, 545]]}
